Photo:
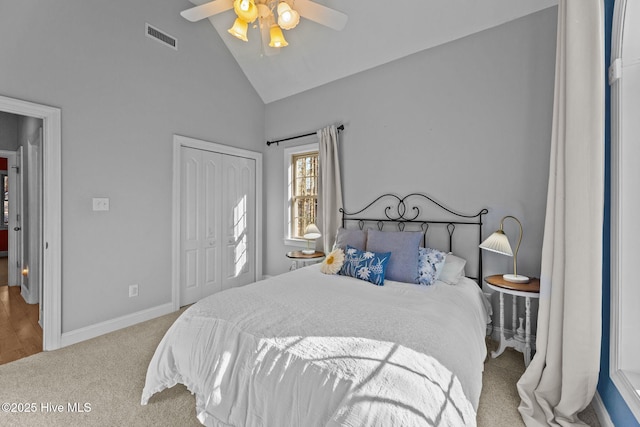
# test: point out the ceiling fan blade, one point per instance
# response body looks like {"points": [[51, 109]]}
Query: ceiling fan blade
{"points": [[206, 10], [321, 14]]}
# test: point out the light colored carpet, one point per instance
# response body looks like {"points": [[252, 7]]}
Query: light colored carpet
{"points": [[108, 373], [499, 399]]}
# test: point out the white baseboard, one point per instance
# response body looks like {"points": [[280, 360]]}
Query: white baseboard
{"points": [[601, 411], [105, 327], [28, 296]]}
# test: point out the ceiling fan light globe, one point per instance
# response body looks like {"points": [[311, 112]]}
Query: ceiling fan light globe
{"points": [[291, 23], [277, 38], [283, 8], [239, 29], [248, 15], [244, 5]]}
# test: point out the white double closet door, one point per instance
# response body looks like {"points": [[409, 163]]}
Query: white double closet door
{"points": [[217, 226]]}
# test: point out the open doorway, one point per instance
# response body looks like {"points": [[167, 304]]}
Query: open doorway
{"points": [[21, 332], [10, 227], [47, 240]]}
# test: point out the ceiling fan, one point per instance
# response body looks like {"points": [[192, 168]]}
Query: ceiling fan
{"points": [[274, 15]]}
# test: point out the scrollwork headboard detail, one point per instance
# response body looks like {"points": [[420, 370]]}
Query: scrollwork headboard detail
{"points": [[419, 212]]}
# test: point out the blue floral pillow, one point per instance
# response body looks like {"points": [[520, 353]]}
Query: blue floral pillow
{"points": [[430, 263], [365, 265]]}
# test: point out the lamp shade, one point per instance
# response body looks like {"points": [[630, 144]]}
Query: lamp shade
{"points": [[239, 29], [311, 232], [498, 243], [277, 38]]}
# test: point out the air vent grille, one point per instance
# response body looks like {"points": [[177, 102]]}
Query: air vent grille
{"points": [[161, 36]]}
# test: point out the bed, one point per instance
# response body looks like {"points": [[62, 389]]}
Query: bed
{"points": [[307, 348]]}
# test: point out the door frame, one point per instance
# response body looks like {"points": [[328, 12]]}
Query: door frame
{"points": [[14, 199], [51, 211], [180, 141]]}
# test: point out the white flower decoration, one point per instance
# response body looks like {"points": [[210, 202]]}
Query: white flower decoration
{"points": [[333, 262], [368, 255], [363, 273]]}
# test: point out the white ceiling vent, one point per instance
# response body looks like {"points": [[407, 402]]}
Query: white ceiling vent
{"points": [[161, 37]]}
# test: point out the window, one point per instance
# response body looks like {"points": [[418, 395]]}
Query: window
{"points": [[625, 204], [305, 192], [301, 180]]}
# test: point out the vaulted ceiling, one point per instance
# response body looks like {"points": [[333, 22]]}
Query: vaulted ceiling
{"points": [[377, 32]]}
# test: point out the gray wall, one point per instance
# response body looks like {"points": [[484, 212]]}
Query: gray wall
{"points": [[468, 122], [122, 97], [8, 131]]}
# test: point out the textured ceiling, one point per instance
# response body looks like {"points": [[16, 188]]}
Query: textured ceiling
{"points": [[377, 32]]}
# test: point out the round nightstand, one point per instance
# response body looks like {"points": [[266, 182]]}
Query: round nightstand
{"points": [[521, 339], [300, 257]]}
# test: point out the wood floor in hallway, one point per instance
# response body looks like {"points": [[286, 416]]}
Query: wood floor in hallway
{"points": [[20, 332]]}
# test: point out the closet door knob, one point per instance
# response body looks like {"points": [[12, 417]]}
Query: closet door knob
{"points": [[16, 228]]}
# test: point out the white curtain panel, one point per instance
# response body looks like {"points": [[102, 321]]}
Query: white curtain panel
{"points": [[330, 191], [562, 377]]}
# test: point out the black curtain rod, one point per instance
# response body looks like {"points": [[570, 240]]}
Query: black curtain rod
{"points": [[341, 127]]}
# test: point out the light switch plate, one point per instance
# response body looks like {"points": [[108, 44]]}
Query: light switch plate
{"points": [[100, 203], [133, 290]]}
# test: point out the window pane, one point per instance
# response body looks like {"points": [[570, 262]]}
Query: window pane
{"points": [[304, 213], [305, 192]]}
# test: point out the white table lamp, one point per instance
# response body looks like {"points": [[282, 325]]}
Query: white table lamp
{"points": [[310, 233], [498, 242]]}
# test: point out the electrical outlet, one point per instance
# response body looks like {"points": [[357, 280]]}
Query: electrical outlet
{"points": [[133, 290], [100, 203]]}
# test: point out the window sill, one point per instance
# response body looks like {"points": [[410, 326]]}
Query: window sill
{"points": [[628, 384]]}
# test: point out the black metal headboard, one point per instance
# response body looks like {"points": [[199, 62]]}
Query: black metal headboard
{"points": [[420, 212]]}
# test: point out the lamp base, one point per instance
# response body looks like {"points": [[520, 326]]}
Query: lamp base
{"points": [[308, 251], [515, 278]]}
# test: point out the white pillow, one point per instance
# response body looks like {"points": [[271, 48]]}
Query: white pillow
{"points": [[453, 269]]}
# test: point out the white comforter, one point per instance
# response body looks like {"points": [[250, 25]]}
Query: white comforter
{"points": [[308, 349]]}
